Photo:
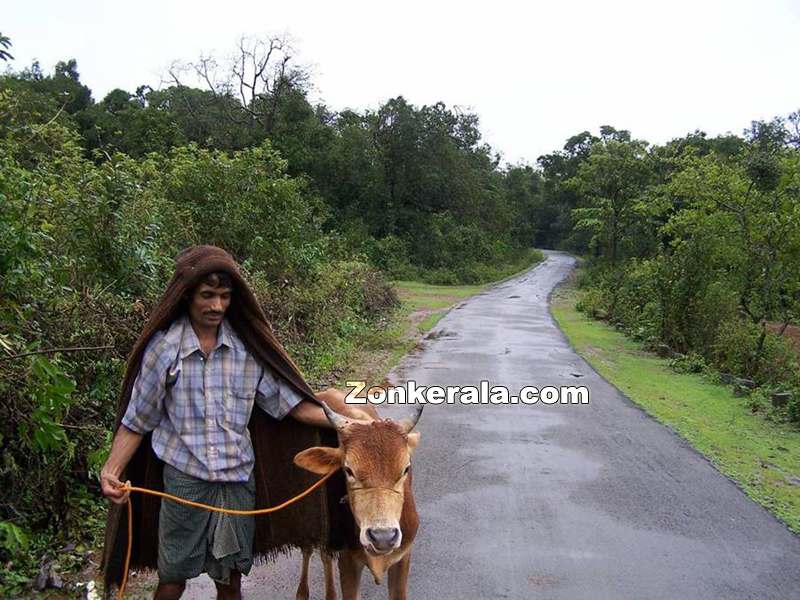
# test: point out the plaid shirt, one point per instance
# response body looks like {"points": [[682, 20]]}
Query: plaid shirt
{"points": [[198, 406]]}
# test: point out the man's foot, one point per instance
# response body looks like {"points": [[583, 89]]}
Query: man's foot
{"points": [[232, 591], [169, 591]]}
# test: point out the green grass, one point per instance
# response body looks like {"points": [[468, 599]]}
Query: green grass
{"points": [[423, 295], [430, 321], [416, 295], [438, 299], [422, 306], [762, 457]]}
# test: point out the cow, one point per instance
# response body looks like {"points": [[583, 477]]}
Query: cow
{"points": [[375, 455]]}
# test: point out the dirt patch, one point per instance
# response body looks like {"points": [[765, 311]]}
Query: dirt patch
{"points": [[542, 579], [422, 296], [444, 297]]}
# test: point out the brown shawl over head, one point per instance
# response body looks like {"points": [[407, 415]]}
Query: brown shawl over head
{"points": [[314, 521]]}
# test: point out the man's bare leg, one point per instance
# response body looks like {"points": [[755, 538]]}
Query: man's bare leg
{"points": [[232, 591], [169, 591]]}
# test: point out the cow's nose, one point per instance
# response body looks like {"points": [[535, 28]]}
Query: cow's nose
{"points": [[383, 538]]}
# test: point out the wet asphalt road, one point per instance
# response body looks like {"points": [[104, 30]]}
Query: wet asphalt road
{"points": [[591, 502]]}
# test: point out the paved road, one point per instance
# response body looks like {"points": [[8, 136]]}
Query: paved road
{"points": [[560, 502]]}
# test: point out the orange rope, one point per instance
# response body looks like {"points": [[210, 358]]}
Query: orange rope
{"points": [[230, 511]]}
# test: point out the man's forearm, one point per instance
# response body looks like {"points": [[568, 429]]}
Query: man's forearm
{"points": [[122, 449], [311, 414]]}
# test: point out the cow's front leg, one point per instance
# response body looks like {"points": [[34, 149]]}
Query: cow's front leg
{"points": [[350, 576], [398, 578], [330, 580]]}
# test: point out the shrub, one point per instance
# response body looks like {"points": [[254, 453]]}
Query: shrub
{"points": [[735, 350]]}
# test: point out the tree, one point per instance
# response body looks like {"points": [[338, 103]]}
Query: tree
{"points": [[558, 200], [752, 209], [608, 133], [259, 76], [524, 192], [611, 182], [63, 87], [5, 44]]}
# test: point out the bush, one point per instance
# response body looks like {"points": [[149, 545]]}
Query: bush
{"points": [[593, 302], [390, 254], [637, 305], [689, 363], [735, 350]]}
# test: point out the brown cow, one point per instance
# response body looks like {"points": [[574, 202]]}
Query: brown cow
{"points": [[375, 455]]}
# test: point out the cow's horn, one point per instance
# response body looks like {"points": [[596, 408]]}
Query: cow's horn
{"points": [[408, 423], [335, 418]]}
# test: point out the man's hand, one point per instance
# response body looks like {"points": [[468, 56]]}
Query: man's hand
{"points": [[122, 449], [310, 414], [110, 485]]}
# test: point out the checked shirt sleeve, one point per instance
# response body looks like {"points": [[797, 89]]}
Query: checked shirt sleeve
{"points": [[275, 396], [146, 405]]}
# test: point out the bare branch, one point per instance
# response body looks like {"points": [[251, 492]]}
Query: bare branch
{"points": [[173, 73], [254, 81], [53, 350]]}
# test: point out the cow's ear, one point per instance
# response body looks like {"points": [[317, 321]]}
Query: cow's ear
{"points": [[319, 460], [413, 440]]}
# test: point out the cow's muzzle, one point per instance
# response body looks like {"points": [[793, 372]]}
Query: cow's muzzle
{"points": [[383, 539]]}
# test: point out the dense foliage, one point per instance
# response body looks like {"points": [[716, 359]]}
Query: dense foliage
{"points": [[411, 187], [694, 246]]}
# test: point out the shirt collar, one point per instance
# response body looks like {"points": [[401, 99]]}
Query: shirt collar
{"points": [[191, 343], [225, 334]]}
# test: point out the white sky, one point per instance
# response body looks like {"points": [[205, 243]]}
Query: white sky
{"points": [[535, 72]]}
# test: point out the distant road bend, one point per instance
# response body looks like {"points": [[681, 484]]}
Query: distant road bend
{"points": [[591, 502]]}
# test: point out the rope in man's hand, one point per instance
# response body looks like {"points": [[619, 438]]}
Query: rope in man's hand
{"points": [[126, 487]]}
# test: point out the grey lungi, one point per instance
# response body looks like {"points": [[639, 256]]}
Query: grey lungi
{"points": [[192, 540]]}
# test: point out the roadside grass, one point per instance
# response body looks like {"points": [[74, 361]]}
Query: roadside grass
{"points": [[422, 305], [761, 456], [430, 321], [381, 348], [370, 350], [421, 296]]}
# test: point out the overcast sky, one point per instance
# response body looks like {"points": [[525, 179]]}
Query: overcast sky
{"points": [[534, 72]]}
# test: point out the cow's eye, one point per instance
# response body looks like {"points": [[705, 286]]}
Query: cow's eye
{"points": [[349, 472], [405, 471]]}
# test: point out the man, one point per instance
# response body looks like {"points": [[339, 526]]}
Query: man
{"points": [[202, 415]]}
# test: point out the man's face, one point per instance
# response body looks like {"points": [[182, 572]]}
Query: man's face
{"points": [[208, 305]]}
